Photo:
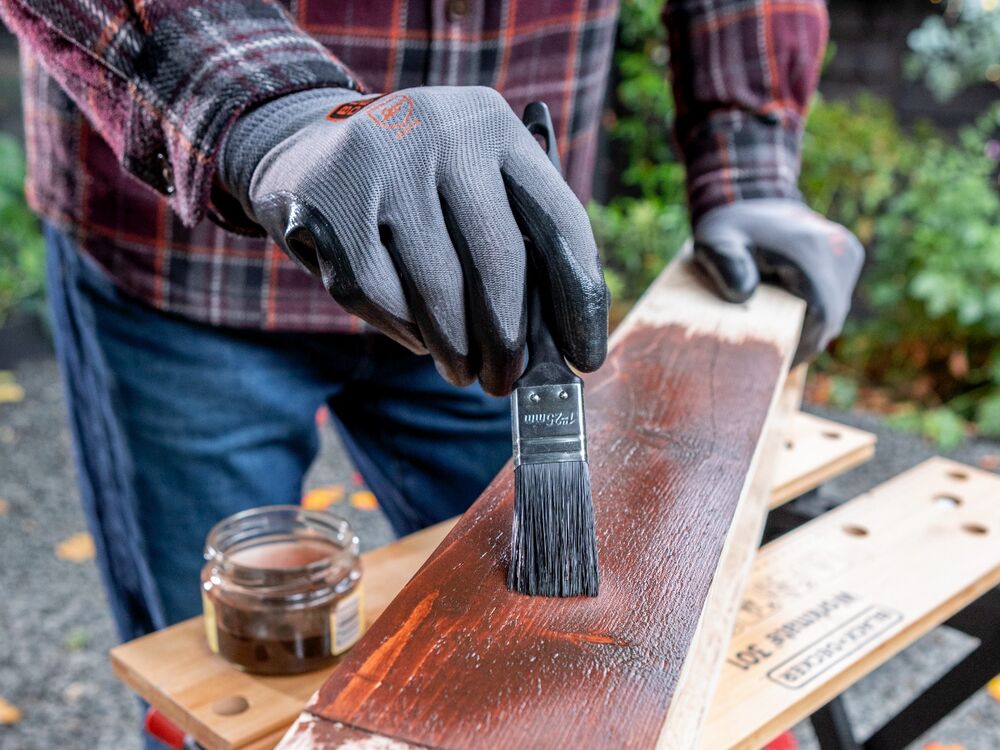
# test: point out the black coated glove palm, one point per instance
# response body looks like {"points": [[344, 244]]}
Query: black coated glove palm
{"points": [[783, 242], [411, 208]]}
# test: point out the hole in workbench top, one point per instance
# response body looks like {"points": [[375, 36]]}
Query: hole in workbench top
{"points": [[853, 529], [947, 501], [231, 705], [831, 434], [975, 528], [961, 476]]}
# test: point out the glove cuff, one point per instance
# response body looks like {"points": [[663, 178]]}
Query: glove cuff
{"points": [[738, 156], [256, 133]]}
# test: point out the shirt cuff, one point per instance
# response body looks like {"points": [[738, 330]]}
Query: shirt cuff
{"points": [[199, 69], [737, 155]]}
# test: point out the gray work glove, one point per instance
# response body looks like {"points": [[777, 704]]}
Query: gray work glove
{"points": [[411, 208], [783, 242]]}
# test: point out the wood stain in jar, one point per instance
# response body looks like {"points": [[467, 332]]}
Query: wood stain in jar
{"points": [[281, 589]]}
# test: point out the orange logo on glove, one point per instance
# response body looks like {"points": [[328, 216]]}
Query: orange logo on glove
{"points": [[343, 111], [395, 113]]}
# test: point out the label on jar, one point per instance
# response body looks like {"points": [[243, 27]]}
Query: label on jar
{"points": [[347, 621], [211, 629]]}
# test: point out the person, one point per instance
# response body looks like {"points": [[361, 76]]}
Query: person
{"points": [[251, 211]]}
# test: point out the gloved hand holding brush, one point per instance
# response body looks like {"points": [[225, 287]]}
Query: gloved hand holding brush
{"points": [[411, 208]]}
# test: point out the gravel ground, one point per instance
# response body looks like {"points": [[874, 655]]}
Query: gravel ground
{"points": [[55, 632]]}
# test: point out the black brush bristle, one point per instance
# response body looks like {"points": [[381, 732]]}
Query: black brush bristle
{"points": [[553, 544]]}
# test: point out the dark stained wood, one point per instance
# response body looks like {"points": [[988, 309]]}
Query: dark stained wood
{"points": [[458, 661], [677, 421]]}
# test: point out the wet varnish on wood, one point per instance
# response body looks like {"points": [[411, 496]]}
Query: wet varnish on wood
{"points": [[677, 421], [174, 671]]}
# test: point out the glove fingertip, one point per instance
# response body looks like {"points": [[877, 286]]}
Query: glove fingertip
{"points": [[588, 352], [734, 275], [589, 361]]}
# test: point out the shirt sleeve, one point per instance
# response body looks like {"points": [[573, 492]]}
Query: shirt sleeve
{"points": [[162, 80], [743, 72]]}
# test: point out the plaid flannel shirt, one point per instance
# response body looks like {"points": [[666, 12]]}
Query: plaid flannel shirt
{"points": [[127, 102]]}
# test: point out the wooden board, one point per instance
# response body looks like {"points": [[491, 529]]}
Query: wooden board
{"points": [[814, 451], [187, 690], [677, 424], [836, 598]]}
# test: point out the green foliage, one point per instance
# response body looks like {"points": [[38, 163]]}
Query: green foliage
{"points": [[926, 324], [957, 50], [637, 237], [928, 329], [22, 255], [639, 232], [852, 154], [641, 134], [941, 425]]}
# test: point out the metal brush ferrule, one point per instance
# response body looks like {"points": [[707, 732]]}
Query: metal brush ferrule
{"points": [[548, 424]]}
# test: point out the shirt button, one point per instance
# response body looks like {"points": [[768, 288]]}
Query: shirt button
{"points": [[167, 172], [457, 10]]}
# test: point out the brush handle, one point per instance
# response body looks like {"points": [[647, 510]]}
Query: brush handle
{"points": [[538, 121], [546, 364]]}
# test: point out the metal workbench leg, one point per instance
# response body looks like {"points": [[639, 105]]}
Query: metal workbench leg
{"points": [[833, 727], [967, 677]]}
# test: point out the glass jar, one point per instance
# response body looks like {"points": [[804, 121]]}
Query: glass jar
{"points": [[281, 589]]}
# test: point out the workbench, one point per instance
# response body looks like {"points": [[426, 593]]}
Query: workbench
{"points": [[174, 671], [694, 436]]}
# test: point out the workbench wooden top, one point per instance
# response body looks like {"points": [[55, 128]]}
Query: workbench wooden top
{"points": [[825, 605], [176, 673]]}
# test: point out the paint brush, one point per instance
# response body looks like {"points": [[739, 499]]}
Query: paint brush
{"points": [[553, 542]]}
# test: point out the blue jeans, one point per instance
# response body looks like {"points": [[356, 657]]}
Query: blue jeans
{"points": [[178, 424]]}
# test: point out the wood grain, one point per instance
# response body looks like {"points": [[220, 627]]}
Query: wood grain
{"points": [[699, 674], [185, 688], [676, 419], [836, 598]]}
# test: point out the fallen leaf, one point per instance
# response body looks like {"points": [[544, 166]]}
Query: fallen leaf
{"points": [[10, 391], [322, 498], [77, 639], [818, 388], [993, 688], [77, 548], [958, 364], [9, 713], [77, 690], [990, 462], [364, 500], [4, 507], [359, 481]]}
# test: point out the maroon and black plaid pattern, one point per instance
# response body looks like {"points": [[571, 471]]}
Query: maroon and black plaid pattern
{"points": [[743, 72], [164, 78]]}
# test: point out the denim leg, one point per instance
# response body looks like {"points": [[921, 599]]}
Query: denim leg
{"points": [[425, 447], [103, 461], [176, 425]]}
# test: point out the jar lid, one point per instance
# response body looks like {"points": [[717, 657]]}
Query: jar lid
{"points": [[278, 544]]}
